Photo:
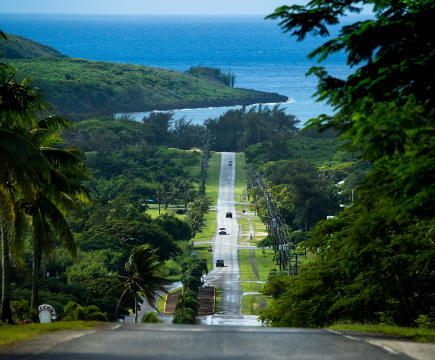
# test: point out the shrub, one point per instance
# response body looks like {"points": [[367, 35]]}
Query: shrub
{"points": [[150, 318], [75, 312], [21, 311]]}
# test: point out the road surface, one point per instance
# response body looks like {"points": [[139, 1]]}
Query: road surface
{"points": [[190, 342]]}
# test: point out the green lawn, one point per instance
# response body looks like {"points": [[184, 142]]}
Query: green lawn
{"points": [[240, 180], [239, 207], [246, 272], [13, 333], [174, 278], [416, 334], [212, 181], [210, 228], [251, 304], [217, 308], [265, 264], [251, 287], [243, 224], [258, 224]]}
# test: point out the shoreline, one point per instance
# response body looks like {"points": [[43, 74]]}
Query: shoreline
{"points": [[260, 97], [209, 108]]}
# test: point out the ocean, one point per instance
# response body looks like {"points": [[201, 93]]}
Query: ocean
{"points": [[257, 51]]}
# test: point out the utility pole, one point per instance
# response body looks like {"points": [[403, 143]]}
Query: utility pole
{"points": [[275, 225], [305, 239], [129, 191], [159, 199]]}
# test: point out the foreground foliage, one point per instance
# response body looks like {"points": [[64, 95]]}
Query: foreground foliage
{"points": [[420, 335], [377, 258]]}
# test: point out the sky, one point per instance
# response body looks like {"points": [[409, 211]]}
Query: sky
{"points": [[173, 7]]}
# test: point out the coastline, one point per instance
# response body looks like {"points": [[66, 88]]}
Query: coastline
{"points": [[259, 97]]}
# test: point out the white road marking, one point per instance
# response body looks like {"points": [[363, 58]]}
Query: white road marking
{"points": [[351, 337], [115, 327], [385, 347]]}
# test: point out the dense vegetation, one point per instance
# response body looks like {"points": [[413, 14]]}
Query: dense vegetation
{"points": [[228, 78], [376, 258], [18, 47], [77, 85]]}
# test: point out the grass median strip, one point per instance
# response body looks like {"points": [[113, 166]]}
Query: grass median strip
{"points": [[246, 272], [250, 287], [416, 334], [217, 308], [10, 334]]}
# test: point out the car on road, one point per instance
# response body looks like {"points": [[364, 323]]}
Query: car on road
{"points": [[229, 214], [222, 231], [230, 163], [220, 263]]}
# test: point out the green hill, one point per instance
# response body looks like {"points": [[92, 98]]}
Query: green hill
{"points": [[77, 85], [18, 47], [84, 86]]}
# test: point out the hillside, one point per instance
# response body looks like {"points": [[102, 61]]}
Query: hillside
{"points": [[85, 86], [18, 47], [77, 85]]}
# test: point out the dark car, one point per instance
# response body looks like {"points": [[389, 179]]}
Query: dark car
{"points": [[220, 263], [229, 214], [222, 231]]}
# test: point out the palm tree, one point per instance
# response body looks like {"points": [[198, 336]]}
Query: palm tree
{"points": [[143, 276], [177, 190], [188, 193], [19, 158], [52, 201], [166, 193]]}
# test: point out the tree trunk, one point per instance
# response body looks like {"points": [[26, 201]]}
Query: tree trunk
{"points": [[35, 272], [135, 307], [5, 312]]}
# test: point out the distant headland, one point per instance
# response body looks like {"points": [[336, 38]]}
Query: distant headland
{"points": [[86, 86]]}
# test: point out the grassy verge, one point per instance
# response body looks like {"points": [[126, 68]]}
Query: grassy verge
{"points": [[258, 224], [243, 224], [246, 272], [212, 181], [251, 304], [239, 207], [265, 264], [240, 180], [218, 301], [174, 278], [203, 253], [10, 334], [251, 287], [210, 228], [420, 335]]}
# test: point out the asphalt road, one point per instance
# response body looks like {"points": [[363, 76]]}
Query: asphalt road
{"points": [[184, 342]]}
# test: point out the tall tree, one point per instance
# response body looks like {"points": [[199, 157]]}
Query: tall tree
{"points": [[19, 158], [53, 199]]}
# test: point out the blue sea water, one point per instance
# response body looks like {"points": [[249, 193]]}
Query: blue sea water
{"points": [[260, 54]]}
